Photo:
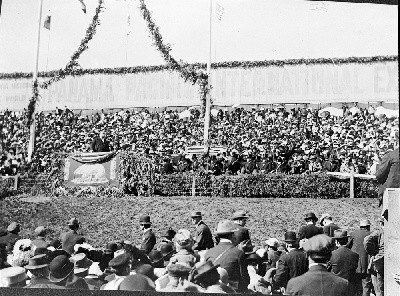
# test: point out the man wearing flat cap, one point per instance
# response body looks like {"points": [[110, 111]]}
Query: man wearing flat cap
{"points": [[177, 275], [344, 262], [356, 243], [122, 266], [240, 219], [290, 265], [318, 281], [70, 238], [202, 235], [309, 230], [328, 226], [149, 238], [229, 257]]}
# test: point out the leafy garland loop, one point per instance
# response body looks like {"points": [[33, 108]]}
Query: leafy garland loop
{"points": [[69, 69], [193, 72], [221, 65]]}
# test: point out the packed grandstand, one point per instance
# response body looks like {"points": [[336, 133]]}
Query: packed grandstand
{"points": [[259, 139]]}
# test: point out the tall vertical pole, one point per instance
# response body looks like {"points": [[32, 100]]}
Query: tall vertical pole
{"points": [[34, 79], [208, 97]]}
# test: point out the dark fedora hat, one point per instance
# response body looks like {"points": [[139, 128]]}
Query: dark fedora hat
{"points": [[204, 268], [144, 219], [167, 249], [155, 256], [37, 262], [290, 237], [60, 268], [169, 233], [110, 248], [241, 214], [340, 233], [195, 214], [248, 248], [310, 216]]}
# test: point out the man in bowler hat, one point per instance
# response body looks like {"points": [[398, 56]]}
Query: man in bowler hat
{"points": [[356, 244], [202, 235], [240, 219], [292, 264], [149, 238], [318, 281], [309, 230], [344, 262]]}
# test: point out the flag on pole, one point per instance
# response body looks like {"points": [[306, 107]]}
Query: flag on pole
{"points": [[220, 11], [83, 6], [47, 21], [129, 31]]}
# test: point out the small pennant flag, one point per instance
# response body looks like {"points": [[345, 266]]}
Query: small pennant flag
{"points": [[129, 25], [220, 11], [83, 5], [47, 22]]}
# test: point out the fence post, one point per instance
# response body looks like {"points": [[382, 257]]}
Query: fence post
{"points": [[352, 183], [194, 186], [16, 182]]}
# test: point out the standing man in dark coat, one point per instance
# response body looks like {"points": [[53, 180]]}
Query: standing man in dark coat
{"points": [[356, 243], [100, 144], [309, 230], [328, 226], [292, 264], [318, 281], [229, 257], [70, 238], [388, 172], [149, 238], [242, 234], [344, 261], [202, 235]]}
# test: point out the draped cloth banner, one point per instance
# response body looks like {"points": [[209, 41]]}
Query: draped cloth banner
{"points": [[312, 83], [91, 169]]}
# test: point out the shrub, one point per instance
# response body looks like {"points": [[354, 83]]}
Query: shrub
{"points": [[263, 185]]}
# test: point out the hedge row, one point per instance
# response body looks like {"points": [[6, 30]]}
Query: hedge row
{"points": [[263, 185]]}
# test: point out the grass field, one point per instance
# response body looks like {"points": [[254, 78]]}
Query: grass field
{"points": [[105, 219]]}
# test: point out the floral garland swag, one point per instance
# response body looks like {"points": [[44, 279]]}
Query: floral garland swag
{"points": [[193, 73], [70, 69]]}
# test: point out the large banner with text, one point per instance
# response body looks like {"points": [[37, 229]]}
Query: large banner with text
{"points": [[314, 83], [91, 169]]}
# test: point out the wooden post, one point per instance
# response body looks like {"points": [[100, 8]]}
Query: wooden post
{"points": [[194, 186], [16, 182], [352, 183]]}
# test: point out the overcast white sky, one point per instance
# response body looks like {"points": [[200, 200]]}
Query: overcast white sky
{"points": [[248, 30]]}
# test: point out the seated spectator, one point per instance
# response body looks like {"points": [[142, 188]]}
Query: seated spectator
{"points": [[39, 268], [61, 274], [137, 282]]}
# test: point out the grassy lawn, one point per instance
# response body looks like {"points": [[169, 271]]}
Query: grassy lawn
{"points": [[110, 219]]}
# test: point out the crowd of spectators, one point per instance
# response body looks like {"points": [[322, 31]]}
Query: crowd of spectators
{"points": [[260, 139], [315, 260]]}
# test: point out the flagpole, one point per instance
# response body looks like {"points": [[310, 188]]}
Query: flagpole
{"points": [[208, 97], [34, 79]]}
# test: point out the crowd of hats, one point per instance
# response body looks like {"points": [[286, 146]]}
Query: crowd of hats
{"points": [[99, 267], [264, 139]]}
